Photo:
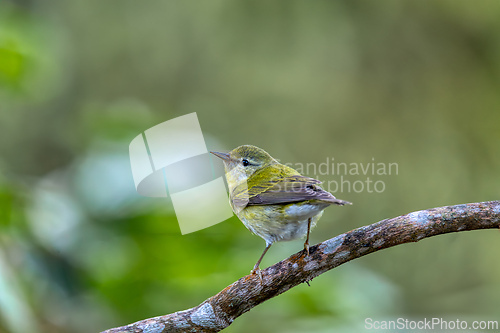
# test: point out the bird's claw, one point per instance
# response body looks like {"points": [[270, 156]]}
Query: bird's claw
{"points": [[306, 248], [256, 270]]}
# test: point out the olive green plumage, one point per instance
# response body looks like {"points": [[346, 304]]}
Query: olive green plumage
{"points": [[273, 200]]}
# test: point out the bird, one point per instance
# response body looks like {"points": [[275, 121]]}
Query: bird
{"points": [[272, 200]]}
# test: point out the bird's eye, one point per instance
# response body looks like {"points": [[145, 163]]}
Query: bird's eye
{"points": [[245, 162]]}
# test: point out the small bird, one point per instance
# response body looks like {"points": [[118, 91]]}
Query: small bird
{"points": [[273, 201]]}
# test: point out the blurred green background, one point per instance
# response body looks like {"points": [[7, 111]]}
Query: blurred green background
{"points": [[410, 82]]}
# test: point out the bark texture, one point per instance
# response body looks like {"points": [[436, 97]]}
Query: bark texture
{"points": [[219, 311]]}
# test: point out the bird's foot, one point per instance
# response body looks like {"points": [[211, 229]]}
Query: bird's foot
{"points": [[306, 248], [256, 270]]}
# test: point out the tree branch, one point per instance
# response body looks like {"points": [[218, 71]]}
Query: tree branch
{"points": [[219, 311]]}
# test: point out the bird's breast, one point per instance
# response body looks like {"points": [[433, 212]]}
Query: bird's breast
{"points": [[280, 222]]}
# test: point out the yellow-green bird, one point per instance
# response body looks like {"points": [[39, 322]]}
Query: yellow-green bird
{"points": [[273, 200]]}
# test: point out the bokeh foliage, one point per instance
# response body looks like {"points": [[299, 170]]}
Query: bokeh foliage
{"points": [[411, 82]]}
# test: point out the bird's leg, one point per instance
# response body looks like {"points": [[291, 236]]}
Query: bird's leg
{"points": [[306, 243], [256, 269]]}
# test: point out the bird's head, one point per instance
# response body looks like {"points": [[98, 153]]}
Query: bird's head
{"points": [[242, 162]]}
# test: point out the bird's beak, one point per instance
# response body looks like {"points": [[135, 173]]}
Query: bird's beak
{"points": [[223, 156]]}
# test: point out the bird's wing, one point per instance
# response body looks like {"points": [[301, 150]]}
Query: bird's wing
{"points": [[293, 189], [282, 190], [259, 183]]}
